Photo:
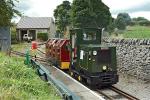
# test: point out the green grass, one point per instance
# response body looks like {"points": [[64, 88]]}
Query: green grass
{"points": [[18, 82], [137, 32], [21, 46]]}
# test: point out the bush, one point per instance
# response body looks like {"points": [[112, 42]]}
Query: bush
{"points": [[133, 23], [120, 23], [13, 38], [111, 27], [144, 23], [42, 36]]}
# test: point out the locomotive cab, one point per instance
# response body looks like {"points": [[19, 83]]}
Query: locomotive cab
{"points": [[90, 61], [99, 64]]}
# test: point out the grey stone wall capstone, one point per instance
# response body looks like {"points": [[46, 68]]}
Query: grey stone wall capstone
{"points": [[133, 56]]}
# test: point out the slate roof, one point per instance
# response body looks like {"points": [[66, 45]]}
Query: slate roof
{"points": [[34, 22]]}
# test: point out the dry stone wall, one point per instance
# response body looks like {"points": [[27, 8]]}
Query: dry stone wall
{"points": [[133, 56]]}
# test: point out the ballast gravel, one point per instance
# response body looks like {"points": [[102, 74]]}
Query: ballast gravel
{"points": [[133, 86]]}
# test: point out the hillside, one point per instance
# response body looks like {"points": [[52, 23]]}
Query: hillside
{"points": [[133, 32], [137, 32]]}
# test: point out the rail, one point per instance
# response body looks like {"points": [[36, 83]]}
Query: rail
{"points": [[121, 94], [129, 96], [23, 55]]}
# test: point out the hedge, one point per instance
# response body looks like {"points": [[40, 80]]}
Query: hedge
{"points": [[42, 36]]}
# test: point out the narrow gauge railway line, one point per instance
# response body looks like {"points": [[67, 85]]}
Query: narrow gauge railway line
{"points": [[113, 93], [121, 95], [17, 53], [23, 55], [41, 51], [43, 43]]}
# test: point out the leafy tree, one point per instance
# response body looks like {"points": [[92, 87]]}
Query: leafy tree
{"points": [[7, 12], [90, 13], [62, 15], [126, 17], [120, 23], [144, 23], [141, 21], [111, 27]]}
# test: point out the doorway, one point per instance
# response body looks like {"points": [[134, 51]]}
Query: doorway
{"points": [[33, 34], [22, 33]]}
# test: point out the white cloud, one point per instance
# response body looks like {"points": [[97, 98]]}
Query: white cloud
{"points": [[123, 4], [128, 6], [145, 14], [44, 8]]}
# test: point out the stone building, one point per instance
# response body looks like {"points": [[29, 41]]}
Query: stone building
{"points": [[34, 25]]}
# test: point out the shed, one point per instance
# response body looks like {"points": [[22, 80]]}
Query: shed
{"points": [[5, 38], [34, 25]]}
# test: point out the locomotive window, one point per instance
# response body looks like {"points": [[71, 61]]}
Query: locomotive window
{"points": [[89, 36]]}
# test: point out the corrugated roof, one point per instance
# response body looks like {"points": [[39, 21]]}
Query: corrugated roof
{"points": [[34, 22]]}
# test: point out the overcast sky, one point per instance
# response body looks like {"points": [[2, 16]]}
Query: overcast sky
{"points": [[45, 8]]}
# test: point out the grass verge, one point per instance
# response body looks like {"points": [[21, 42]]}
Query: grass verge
{"points": [[137, 32], [21, 46], [18, 82]]}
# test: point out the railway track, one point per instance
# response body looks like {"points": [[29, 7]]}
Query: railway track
{"points": [[118, 94], [23, 55], [113, 93]]}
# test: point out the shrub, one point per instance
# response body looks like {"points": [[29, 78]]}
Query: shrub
{"points": [[111, 27], [120, 23], [13, 37], [133, 23], [42, 36], [144, 23]]}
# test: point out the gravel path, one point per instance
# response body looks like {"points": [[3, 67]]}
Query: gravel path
{"points": [[135, 87]]}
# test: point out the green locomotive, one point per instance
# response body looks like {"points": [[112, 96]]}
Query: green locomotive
{"points": [[91, 62]]}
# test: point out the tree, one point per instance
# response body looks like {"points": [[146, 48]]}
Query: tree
{"points": [[7, 12], [141, 21], [120, 23], [111, 27], [126, 17], [90, 13], [62, 16], [144, 23]]}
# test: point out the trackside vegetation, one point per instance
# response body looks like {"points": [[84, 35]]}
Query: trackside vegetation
{"points": [[137, 32], [19, 82]]}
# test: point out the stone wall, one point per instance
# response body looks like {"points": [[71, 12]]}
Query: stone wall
{"points": [[133, 56]]}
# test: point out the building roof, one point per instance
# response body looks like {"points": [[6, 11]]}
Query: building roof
{"points": [[35, 22]]}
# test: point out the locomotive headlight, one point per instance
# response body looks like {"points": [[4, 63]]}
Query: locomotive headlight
{"points": [[94, 53], [104, 67]]}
